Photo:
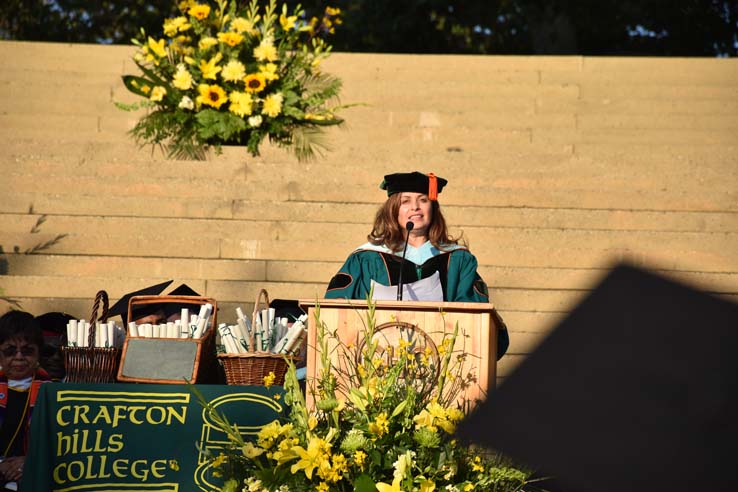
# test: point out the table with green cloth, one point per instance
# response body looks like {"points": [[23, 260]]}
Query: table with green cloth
{"points": [[126, 437]]}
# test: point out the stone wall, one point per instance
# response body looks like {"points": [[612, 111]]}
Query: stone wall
{"points": [[558, 167]]}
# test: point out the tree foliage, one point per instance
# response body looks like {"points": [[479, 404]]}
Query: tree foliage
{"points": [[615, 27], [83, 21]]}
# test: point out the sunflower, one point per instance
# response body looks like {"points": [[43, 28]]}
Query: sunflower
{"points": [[211, 95], [255, 82]]}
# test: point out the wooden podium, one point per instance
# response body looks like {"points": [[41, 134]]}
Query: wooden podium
{"points": [[477, 336]]}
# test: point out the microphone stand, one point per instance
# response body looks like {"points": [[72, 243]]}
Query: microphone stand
{"points": [[409, 226]]}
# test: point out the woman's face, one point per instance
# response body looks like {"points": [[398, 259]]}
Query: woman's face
{"points": [[415, 208], [18, 358]]}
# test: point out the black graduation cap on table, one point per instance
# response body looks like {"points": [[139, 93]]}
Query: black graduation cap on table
{"points": [[287, 308], [121, 307], [176, 308], [636, 390], [54, 328]]}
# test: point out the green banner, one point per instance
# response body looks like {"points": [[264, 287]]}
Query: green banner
{"points": [[136, 437]]}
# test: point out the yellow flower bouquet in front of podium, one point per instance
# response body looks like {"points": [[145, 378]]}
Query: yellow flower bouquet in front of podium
{"points": [[223, 74], [383, 420]]}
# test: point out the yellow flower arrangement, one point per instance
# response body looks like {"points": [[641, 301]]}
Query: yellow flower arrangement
{"points": [[371, 430], [223, 72]]}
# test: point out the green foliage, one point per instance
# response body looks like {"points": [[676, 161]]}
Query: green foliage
{"points": [[216, 125], [669, 27], [692, 27], [81, 21]]}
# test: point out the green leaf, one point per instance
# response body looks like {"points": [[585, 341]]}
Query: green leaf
{"points": [[376, 457], [135, 84], [364, 483], [152, 75], [222, 126], [399, 408], [357, 399]]}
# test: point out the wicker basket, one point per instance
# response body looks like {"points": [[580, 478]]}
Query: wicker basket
{"points": [[92, 364], [198, 355], [249, 369]]}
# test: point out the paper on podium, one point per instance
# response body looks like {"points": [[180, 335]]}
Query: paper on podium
{"points": [[427, 289]]}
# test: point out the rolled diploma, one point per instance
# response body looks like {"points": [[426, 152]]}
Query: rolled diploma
{"points": [[272, 327], [88, 329], [72, 333], [227, 338], [171, 330], [292, 338], [203, 310], [206, 310], [101, 334], [257, 333], [244, 334], [282, 342], [111, 334], [295, 348], [283, 346], [283, 328], [184, 316], [156, 331], [133, 329], [208, 315], [266, 329], [239, 339], [104, 339], [82, 333], [233, 344]]}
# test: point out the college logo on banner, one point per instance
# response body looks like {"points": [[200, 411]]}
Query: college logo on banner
{"points": [[133, 436]]}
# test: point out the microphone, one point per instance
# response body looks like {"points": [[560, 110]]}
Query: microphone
{"points": [[409, 226]]}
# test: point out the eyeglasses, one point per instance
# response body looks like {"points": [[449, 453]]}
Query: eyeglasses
{"points": [[25, 351]]}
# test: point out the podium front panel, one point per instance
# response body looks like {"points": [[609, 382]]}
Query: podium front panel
{"points": [[477, 337]]}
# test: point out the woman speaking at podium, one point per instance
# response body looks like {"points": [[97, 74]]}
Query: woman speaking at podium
{"points": [[410, 252]]}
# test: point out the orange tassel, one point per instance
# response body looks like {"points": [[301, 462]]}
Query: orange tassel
{"points": [[432, 187]]}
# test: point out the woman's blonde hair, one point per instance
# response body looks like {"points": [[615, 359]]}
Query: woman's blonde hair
{"points": [[387, 230]]}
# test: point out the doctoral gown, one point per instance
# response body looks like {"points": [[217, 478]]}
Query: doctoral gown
{"points": [[456, 265]]}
